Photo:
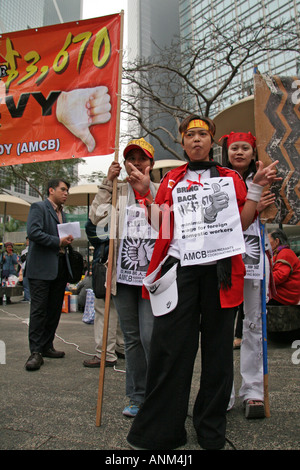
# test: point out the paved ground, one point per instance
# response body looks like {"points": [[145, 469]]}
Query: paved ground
{"points": [[55, 408]]}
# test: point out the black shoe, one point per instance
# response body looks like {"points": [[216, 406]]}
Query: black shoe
{"points": [[34, 362], [120, 355], [8, 301], [51, 352]]}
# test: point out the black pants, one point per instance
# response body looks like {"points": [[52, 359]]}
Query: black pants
{"points": [[45, 309], [160, 423]]}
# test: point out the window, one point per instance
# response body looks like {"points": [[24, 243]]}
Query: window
{"points": [[20, 187]]}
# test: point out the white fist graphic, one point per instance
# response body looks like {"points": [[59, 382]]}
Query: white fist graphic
{"points": [[79, 109]]}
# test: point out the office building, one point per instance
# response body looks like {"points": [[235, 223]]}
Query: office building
{"points": [[152, 24], [197, 18], [18, 15]]}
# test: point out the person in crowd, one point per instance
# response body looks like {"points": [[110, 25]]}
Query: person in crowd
{"points": [[24, 278], [82, 286], [9, 266], [133, 246], [286, 270], [239, 153], [192, 288], [115, 340], [47, 269]]}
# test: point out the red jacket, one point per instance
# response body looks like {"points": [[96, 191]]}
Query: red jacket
{"points": [[230, 297], [286, 273]]}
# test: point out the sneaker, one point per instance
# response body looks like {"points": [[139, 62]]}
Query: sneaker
{"points": [[131, 410]]}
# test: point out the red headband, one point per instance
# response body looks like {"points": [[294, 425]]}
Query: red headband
{"points": [[240, 137]]}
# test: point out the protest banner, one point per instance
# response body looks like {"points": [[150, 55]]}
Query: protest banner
{"points": [[111, 237], [58, 91]]}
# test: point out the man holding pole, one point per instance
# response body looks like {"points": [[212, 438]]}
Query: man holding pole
{"points": [[132, 246]]}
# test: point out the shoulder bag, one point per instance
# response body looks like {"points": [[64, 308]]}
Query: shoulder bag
{"points": [[76, 264], [99, 273]]}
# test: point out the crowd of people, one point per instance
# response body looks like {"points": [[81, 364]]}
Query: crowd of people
{"points": [[12, 268], [187, 254]]}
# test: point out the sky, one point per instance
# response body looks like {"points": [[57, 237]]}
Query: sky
{"points": [[93, 9]]}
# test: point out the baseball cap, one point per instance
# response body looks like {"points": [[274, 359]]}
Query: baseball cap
{"points": [[163, 291], [139, 144]]}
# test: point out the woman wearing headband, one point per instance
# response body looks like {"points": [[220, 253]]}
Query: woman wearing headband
{"points": [[192, 293], [239, 153]]}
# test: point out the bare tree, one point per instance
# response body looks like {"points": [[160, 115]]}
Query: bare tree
{"points": [[184, 78], [37, 175]]}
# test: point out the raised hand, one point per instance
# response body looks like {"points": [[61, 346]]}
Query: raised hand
{"points": [[139, 181], [265, 176]]}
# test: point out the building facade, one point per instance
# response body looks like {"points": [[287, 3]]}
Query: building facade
{"points": [[198, 17], [152, 24], [16, 15]]}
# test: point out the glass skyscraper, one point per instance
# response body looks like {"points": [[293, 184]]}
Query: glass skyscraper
{"points": [[197, 16], [18, 15]]}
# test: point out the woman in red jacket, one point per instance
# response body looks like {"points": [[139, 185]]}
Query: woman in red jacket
{"points": [[286, 270], [195, 278]]}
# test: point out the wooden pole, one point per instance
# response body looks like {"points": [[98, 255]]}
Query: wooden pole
{"points": [[111, 239], [264, 327]]}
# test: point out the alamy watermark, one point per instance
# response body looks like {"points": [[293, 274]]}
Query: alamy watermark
{"points": [[296, 354], [296, 94], [2, 352]]}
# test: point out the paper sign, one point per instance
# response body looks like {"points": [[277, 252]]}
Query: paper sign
{"points": [[207, 221], [136, 247], [69, 228], [253, 258]]}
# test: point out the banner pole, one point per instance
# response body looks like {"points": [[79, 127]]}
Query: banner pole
{"points": [[264, 327], [111, 239]]}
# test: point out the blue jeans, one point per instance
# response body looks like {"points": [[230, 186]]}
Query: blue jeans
{"points": [[26, 289], [136, 321]]}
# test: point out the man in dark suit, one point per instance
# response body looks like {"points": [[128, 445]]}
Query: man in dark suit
{"points": [[47, 269]]}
